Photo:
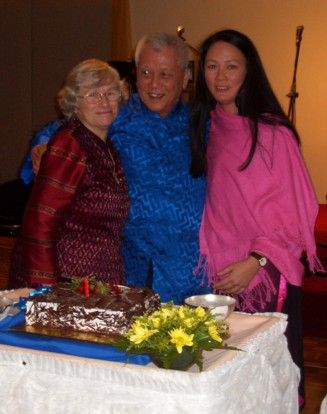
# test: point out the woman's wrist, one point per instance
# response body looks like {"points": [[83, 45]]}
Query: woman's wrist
{"points": [[254, 262]]}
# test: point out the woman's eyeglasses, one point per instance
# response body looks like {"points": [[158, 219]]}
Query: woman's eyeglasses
{"points": [[96, 97]]}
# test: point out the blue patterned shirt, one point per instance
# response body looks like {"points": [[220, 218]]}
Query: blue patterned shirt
{"points": [[160, 244]]}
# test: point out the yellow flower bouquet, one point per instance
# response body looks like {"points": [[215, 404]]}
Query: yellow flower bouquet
{"points": [[174, 336]]}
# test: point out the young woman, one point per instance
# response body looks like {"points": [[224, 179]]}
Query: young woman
{"points": [[260, 206], [74, 219]]}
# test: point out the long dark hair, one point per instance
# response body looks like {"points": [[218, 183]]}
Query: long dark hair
{"points": [[255, 99]]}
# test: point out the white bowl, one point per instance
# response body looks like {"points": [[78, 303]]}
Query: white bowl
{"points": [[220, 306]]}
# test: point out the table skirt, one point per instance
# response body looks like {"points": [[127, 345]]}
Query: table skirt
{"points": [[259, 379]]}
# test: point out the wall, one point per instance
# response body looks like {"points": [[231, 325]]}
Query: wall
{"points": [[272, 25], [40, 41], [15, 84]]}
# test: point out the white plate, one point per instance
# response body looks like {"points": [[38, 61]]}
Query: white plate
{"points": [[221, 306]]}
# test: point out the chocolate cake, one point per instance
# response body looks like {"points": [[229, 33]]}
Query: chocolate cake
{"points": [[109, 313]]}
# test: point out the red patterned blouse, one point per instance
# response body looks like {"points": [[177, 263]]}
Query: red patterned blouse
{"points": [[75, 216]]}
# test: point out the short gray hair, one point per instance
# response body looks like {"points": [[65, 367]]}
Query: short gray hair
{"points": [[90, 73], [158, 41]]}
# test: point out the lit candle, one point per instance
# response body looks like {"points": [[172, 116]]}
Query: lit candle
{"points": [[86, 287]]}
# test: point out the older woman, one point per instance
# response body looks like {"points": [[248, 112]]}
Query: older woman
{"points": [[73, 221]]}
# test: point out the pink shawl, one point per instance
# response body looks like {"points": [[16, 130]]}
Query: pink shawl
{"points": [[270, 207]]}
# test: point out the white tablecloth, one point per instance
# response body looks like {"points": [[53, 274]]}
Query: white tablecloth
{"points": [[259, 379], [323, 407]]}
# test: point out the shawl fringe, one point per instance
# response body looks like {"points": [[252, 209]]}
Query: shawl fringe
{"points": [[315, 265]]}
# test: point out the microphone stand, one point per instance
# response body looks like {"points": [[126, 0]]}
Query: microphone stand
{"points": [[189, 91], [293, 93], [180, 31]]}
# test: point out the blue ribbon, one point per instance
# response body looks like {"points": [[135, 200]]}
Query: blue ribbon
{"points": [[40, 291], [21, 304]]}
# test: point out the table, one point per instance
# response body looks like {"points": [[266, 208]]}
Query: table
{"points": [[259, 379]]}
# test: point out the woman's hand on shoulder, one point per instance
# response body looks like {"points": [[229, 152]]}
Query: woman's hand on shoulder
{"points": [[236, 277]]}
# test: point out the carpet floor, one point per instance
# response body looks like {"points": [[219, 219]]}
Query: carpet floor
{"points": [[314, 304]]}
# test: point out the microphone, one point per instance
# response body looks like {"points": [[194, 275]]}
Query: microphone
{"points": [[299, 31], [180, 32]]}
